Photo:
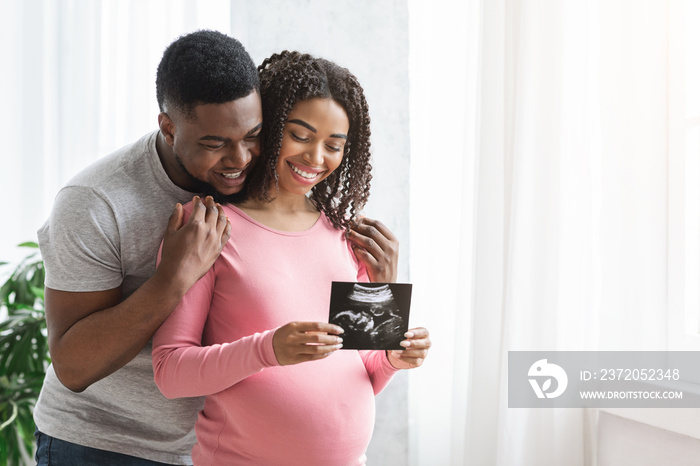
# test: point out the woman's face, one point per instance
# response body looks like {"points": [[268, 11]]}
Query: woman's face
{"points": [[313, 141]]}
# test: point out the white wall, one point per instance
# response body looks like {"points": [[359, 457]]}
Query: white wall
{"points": [[372, 42], [623, 442]]}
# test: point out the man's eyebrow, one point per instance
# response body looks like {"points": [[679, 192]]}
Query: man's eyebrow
{"points": [[214, 138], [223, 139], [255, 129], [311, 128]]}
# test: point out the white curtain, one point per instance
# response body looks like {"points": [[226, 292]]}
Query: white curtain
{"points": [[539, 210], [78, 64]]}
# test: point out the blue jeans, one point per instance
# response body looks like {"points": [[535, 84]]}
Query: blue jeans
{"points": [[51, 451]]}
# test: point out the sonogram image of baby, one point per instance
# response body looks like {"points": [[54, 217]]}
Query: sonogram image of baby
{"points": [[371, 317]]}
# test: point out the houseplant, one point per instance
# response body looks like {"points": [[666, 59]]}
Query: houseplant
{"points": [[23, 355]]}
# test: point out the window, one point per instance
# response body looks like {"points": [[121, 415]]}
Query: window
{"points": [[684, 176], [683, 209]]}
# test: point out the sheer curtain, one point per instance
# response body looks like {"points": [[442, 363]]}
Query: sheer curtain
{"points": [[79, 64], [543, 128]]}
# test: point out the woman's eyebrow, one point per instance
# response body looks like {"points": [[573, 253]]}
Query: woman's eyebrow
{"points": [[312, 129], [304, 124]]}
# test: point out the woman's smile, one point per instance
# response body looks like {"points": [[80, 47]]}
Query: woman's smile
{"points": [[307, 174]]}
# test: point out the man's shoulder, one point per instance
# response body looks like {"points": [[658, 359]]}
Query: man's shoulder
{"points": [[131, 160]]}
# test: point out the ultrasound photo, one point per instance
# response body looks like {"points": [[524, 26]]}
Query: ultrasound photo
{"points": [[373, 315]]}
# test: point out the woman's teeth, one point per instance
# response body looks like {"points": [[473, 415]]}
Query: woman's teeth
{"points": [[231, 176], [303, 174]]}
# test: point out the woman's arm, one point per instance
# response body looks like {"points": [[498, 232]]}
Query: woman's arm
{"points": [[184, 368], [382, 365], [378, 368]]}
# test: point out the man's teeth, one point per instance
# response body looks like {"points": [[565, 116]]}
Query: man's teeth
{"points": [[232, 176], [303, 174]]}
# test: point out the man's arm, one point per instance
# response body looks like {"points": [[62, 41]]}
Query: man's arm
{"points": [[93, 334], [377, 248]]}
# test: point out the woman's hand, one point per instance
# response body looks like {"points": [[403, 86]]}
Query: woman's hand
{"points": [[417, 344], [305, 341]]}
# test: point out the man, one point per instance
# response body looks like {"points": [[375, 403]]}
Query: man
{"points": [[105, 299]]}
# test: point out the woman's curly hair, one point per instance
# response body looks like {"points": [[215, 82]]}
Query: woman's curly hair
{"points": [[290, 77]]}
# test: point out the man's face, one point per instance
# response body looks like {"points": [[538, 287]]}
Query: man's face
{"points": [[213, 152]]}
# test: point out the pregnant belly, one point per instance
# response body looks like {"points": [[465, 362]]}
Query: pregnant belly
{"points": [[319, 412]]}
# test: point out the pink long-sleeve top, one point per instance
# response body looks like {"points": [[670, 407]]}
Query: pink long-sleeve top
{"points": [[218, 343]]}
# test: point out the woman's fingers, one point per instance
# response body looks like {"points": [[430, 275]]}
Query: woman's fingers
{"points": [[417, 344], [298, 342]]}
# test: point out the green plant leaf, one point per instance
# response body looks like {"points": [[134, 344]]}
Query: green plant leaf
{"points": [[28, 244], [24, 355], [12, 417], [37, 292]]}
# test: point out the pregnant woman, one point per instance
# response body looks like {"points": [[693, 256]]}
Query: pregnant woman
{"points": [[252, 335]]}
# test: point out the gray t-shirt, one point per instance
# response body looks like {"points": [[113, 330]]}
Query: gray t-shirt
{"points": [[104, 231]]}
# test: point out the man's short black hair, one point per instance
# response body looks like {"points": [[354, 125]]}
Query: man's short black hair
{"points": [[204, 67]]}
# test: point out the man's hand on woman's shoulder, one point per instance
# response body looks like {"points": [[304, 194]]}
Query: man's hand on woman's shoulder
{"points": [[376, 247]]}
